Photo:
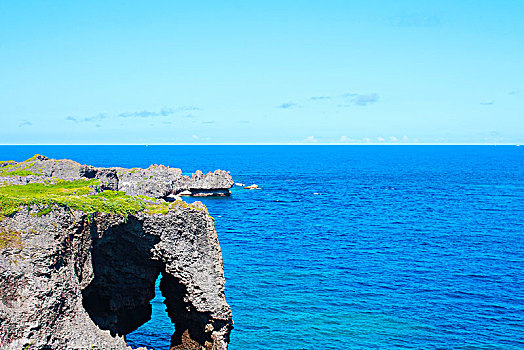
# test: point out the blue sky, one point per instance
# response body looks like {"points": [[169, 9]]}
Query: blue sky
{"points": [[110, 72]]}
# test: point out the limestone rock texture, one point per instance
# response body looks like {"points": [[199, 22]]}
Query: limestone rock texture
{"points": [[71, 280], [157, 181]]}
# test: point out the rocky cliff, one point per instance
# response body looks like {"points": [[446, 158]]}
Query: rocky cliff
{"points": [[78, 266], [156, 181]]}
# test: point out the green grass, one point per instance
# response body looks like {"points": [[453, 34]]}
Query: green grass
{"points": [[76, 195], [18, 173], [7, 162], [80, 195], [33, 158], [12, 168]]}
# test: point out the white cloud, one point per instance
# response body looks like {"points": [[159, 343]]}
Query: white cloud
{"points": [[381, 139], [405, 138], [310, 139], [346, 139], [393, 139], [195, 137]]}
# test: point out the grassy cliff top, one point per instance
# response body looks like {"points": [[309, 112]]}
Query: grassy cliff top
{"points": [[80, 195], [76, 194], [12, 168]]}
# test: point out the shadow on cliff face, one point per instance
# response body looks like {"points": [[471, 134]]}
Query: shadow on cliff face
{"points": [[118, 298]]}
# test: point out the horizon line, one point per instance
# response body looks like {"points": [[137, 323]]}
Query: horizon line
{"points": [[273, 144]]}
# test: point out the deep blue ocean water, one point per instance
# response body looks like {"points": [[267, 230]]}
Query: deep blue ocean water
{"points": [[355, 247]]}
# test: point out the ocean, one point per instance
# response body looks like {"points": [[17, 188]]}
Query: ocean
{"points": [[355, 247]]}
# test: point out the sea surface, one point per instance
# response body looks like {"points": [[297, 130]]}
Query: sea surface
{"points": [[355, 247]]}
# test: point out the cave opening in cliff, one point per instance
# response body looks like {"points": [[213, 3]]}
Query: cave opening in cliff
{"points": [[119, 296], [157, 332], [128, 284], [173, 324]]}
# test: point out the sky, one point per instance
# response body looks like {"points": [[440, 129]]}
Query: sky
{"points": [[275, 72]]}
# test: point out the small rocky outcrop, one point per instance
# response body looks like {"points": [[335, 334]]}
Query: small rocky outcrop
{"points": [[83, 279], [157, 181], [160, 181]]}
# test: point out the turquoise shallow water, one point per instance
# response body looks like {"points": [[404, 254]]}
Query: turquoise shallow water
{"points": [[356, 247]]}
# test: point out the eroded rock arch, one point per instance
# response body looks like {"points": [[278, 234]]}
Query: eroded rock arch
{"points": [[86, 281]]}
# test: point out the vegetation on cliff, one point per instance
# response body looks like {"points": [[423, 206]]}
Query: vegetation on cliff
{"points": [[10, 239], [12, 168], [62, 263], [79, 195]]}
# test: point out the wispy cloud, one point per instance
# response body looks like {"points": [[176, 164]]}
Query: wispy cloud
{"points": [[287, 105], [347, 99], [187, 109], [96, 118], [164, 112], [92, 119], [358, 99], [195, 137], [364, 100], [346, 139], [25, 123], [487, 103], [310, 139], [208, 122]]}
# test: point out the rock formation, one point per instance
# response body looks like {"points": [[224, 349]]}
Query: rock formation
{"points": [[156, 181], [72, 279]]}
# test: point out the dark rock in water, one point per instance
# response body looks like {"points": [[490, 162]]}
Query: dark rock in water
{"points": [[156, 181], [80, 281], [219, 192]]}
